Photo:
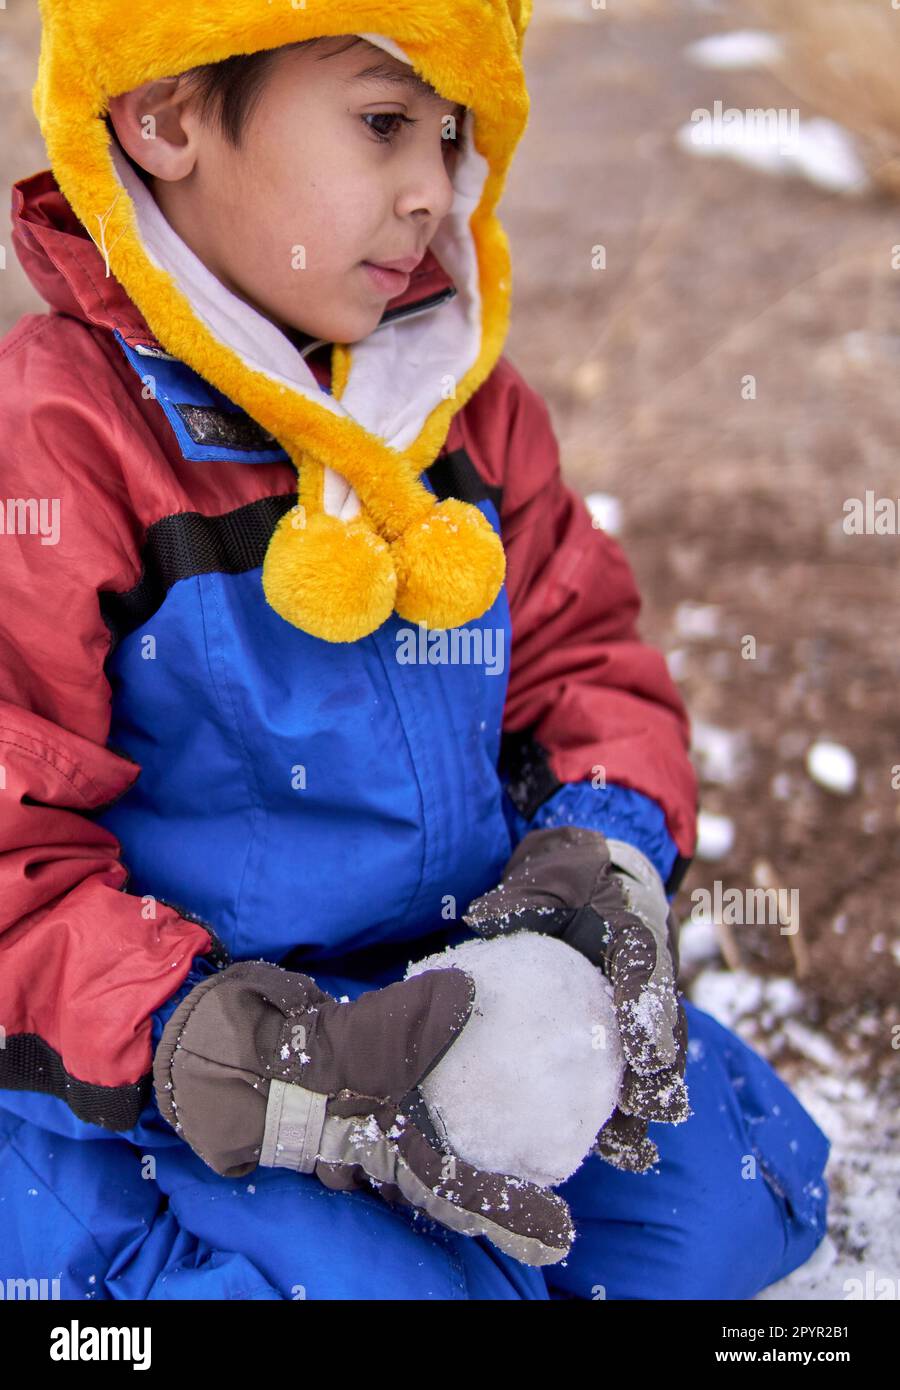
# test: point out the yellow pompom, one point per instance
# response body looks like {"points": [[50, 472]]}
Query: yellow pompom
{"points": [[450, 566], [333, 579]]}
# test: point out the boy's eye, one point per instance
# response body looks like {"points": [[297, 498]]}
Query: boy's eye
{"points": [[458, 143], [394, 119], [388, 116]]}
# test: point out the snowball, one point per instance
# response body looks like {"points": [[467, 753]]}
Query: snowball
{"points": [[537, 1069], [832, 766]]}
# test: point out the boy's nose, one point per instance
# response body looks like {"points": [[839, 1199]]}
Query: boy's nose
{"points": [[427, 189]]}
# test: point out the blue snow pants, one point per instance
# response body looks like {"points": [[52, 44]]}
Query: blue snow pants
{"points": [[737, 1201]]}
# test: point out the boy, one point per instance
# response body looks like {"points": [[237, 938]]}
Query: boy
{"points": [[205, 702]]}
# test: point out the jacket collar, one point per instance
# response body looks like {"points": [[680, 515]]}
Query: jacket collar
{"points": [[67, 268]]}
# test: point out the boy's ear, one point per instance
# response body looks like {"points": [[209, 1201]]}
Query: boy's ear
{"points": [[155, 125]]}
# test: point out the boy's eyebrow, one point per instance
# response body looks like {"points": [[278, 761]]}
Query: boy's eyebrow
{"points": [[384, 72]]}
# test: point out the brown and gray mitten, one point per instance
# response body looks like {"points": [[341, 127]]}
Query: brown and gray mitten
{"points": [[604, 898], [258, 1066]]}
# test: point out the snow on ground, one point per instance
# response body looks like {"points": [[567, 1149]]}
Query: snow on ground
{"points": [[863, 1173], [781, 143], [697, 621], [721, 755], [715, 836], [743, 48], [864, 1178], [832, 766], [606, 512], [698, 941]]}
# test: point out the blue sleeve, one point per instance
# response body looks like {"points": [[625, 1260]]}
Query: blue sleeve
{"points": [[151, 1122], [617, 812], [151, 1127], [200, 970]]}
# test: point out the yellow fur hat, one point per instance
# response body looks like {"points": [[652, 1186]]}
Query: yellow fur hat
{"points": [[335, 577]]}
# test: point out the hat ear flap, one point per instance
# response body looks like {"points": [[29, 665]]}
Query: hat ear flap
{"points": [[520, 14]]}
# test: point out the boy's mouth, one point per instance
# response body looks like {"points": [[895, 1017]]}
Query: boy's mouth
{"points": [[393, 276]]}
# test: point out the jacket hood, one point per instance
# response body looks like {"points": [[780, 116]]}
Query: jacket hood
{"points": [[342, 560]]}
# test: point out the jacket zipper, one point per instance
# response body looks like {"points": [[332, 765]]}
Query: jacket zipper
{"points": [[409, 312]]}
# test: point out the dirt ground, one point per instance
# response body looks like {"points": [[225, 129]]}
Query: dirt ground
{"points": [[714, 273]]}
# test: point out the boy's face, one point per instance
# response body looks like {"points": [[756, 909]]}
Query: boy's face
{"points": [[334, 171]]}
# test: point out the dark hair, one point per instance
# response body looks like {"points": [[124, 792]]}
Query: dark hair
{"points": [[229, 90]]}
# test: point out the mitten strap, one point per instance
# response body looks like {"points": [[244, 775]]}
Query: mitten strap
{"points": [[295, 1118]]}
